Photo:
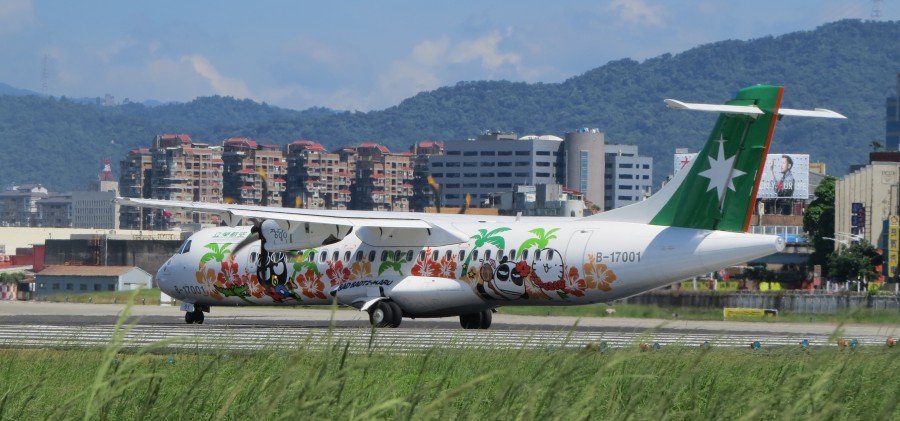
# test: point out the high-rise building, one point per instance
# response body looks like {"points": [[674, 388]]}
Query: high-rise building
{"points": [[244, 165], [628, 176], [134, 181], [495, 162], [585, 157], [316, 178], [892, 121], [187, 171], [423, 193], [383, 179]]}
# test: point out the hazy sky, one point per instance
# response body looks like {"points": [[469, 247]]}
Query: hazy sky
{"points": [[362, 55]]}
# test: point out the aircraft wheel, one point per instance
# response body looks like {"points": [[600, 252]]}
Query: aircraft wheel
{"points": [[486, 318], [397, 314], [381, 314], [195, 316], [471, 320]]}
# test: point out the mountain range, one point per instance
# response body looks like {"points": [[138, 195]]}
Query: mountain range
{"points": [[848, 66]]}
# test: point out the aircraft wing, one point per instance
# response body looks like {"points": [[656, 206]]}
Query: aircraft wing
{"points": [[377, 228]]}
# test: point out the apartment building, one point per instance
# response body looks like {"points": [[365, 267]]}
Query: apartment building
{"points": [[317, 178], [134, 181], [423, 193], [383, 180], [184, 170], [246, 165]]}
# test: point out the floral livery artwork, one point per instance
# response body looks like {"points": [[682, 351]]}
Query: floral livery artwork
{"points": [[538, 271], [544, 275]]}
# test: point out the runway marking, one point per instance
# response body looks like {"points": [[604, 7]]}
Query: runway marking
{"points": [[400, 340]]}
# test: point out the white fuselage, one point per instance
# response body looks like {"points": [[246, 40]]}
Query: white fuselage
{"points": [[516, 263]]}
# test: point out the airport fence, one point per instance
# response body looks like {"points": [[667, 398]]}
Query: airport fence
{"points": [[783, 301]]}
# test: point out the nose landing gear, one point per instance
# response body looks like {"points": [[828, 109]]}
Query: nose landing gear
{"points": [[194, 314]]}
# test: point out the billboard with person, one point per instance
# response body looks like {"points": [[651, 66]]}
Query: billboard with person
{"points": [[784, 175]]}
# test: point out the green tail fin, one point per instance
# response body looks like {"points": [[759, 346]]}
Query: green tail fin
{"points": [[719, 189]]}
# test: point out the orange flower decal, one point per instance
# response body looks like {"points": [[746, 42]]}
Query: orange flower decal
{"points": [[598, 275], [311, 284], [361, 270], [575, 284]]}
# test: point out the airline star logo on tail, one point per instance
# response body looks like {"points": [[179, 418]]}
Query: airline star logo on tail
{"points": [[721, 172]]}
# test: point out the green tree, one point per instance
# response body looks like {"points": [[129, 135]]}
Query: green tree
{"points": [[858, 261], [818, 222]]}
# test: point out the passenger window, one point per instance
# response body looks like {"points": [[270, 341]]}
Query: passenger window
{"points": [[512, 254], [409, 255], [311, 256], [448, 256], [359, 256], [537, 255], [371, 255], [422, 256], [434, 256], [500, 254], [487, 255], [335, 256], [347, 256], [253, 258], [323, 256], [525, 254], [398, 255], [462, 255], [475, 255], [550, 254], [384, 256]]}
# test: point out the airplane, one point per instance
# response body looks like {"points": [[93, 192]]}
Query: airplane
{"points": [[417, 265]]}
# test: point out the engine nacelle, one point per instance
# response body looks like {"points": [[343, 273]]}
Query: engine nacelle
{"points": [[291, 235]]}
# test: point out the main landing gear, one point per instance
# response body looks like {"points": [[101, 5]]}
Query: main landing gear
{"points": [[385, 314], [480, 320]]}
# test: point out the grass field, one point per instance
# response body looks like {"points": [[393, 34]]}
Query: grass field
{"points": [[669, 383]]}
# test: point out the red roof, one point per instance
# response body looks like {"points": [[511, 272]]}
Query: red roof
{"points": [[246, 187], [279, 180], [246, 171], [381, 148], [377, 175]]}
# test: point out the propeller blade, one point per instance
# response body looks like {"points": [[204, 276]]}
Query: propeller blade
{"points": [[250, 239]]}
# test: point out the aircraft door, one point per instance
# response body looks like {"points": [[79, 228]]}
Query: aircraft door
{"points": [[576, 251]]}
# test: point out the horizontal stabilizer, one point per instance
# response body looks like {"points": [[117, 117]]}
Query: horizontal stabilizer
{"points": [[719, 108], [818, 112]]}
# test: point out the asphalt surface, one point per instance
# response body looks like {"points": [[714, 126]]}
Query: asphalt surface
{"points": [[69, 314]]}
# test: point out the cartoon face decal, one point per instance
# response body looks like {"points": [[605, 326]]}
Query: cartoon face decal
{"points": [[507, 282]]}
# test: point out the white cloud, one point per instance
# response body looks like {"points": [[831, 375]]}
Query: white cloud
{"points": [[486, 50], [109, 52], [428, 65], [318, 51], [222, 85], [636, 12]]}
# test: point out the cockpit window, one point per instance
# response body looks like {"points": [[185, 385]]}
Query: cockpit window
{"points": [[186, 247]]}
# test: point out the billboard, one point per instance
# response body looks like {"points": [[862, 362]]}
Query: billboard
{"points": [[784, 175]]}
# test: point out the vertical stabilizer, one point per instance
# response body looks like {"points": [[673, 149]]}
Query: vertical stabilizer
{"points": [[717, 190]]}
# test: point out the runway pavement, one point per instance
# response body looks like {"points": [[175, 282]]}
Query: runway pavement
{"points": [[34, 324]]}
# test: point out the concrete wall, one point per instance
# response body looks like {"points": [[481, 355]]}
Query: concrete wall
{"points": [[791, 302]]}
